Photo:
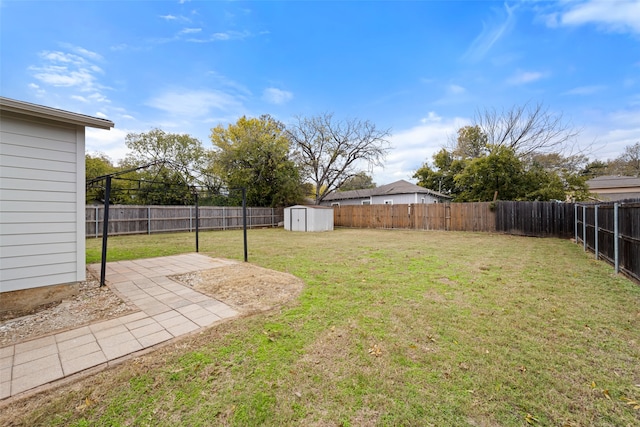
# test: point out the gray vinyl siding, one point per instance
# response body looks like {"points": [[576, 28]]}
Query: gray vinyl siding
{"points": [[398, 199], [345, 202], [41, 202]]}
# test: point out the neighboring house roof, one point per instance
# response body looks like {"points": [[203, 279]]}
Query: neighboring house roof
{"points": [[613, 188], [613, 181], [398, 187], [35, 110]]}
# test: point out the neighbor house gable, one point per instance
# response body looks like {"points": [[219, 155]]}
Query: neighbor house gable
{"points": [[399, 192]]}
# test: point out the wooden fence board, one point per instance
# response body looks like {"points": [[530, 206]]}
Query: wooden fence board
{"points": [[131, 219], [628, 233], [539, 219], [454, 216]]}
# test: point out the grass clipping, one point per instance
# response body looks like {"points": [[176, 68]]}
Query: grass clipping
{"points": [[245, 287]]}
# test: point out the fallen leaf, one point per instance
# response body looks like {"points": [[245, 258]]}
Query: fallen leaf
{"points": [[606, 394], [633, 403], [530, 419], [522, 369], [375, 350], [87, 402]]}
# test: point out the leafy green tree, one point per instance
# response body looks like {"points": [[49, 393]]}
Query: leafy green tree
{"points": [[498, 175], [471, 142], [595, 168], [440, 176], [98, 165], [358, 181], [253, 153], [176, 163]]}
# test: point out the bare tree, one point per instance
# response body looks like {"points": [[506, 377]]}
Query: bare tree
{"points": [[329, 151], [628, 163], [526, 129]]}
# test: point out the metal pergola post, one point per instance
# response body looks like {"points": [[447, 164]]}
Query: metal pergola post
{"points": [[244, 221], [105, 230]]}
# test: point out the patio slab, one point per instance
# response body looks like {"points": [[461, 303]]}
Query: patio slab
{"points": [[168, 310]]}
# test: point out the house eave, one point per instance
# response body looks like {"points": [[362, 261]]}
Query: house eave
{"points": [[40, 111]]}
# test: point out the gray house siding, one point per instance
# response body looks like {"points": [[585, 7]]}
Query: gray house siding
{"points": [[42, 195], [399, 192]]}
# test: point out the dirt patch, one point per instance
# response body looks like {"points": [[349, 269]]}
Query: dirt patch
{"points": [[91, 304], [245, 287]]}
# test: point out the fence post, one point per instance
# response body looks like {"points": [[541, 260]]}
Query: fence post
{"points": [[96, 222], [191, 220], [595, 226], [148, 219], [616, 238], [584, 227], [575, 222]]}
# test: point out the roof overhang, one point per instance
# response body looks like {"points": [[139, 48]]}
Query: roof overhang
{"points": [[35, 110]]}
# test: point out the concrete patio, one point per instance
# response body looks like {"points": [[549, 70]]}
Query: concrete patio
{"points": [[167, 310]]}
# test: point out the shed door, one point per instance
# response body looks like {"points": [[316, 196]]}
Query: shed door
{"points": [[298, 219]]}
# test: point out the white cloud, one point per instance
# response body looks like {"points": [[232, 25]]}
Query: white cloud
{"points": [[231, 35], [585, 90], [195, 104], [169, 17], [432, 117], [608, 134], [85, 53], [229, 83], [64, 77], [73, 69], [456, 89], [109, 142], [414, 146], [276, 96], [618, 15], [490, 35], [190, 30], [523, 77], [39, 92]]}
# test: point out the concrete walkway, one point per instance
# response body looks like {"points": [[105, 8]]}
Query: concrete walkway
{"points": [[167, 310]]}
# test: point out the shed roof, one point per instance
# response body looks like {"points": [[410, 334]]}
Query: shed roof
{"points": [[35, 110], [398, 187], [613, 181]]}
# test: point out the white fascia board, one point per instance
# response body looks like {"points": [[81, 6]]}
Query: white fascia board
{"points": [[35, 110]]}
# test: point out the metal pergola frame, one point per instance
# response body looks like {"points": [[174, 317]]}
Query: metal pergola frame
{"points": [[107, 198]]}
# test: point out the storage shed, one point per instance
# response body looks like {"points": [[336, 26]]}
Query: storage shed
{"points": [[308, 218], [42, 201]]}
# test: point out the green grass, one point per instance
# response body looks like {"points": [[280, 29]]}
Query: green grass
{"points": [[393, 328]]}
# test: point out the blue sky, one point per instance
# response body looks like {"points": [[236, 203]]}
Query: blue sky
{"points": [[421, 68]]}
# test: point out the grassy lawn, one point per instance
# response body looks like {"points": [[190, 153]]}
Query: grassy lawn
{"points": [[394, 328]]}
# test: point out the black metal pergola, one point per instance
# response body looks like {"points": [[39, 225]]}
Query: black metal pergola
{"points": [[107, 179]]}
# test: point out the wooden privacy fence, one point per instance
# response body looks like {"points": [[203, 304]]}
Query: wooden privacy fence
{"points": [[612, 232], [437, 216], [537, 219], [129, 219]]}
